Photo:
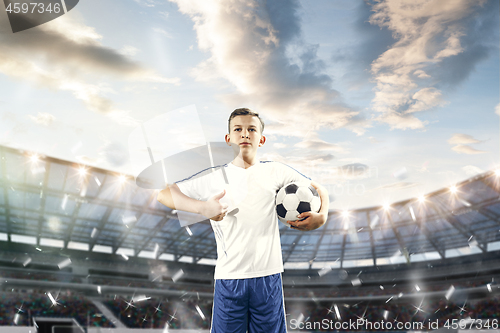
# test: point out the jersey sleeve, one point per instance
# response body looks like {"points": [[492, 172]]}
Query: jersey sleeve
{"points": [[287, 174], [202, 186]]}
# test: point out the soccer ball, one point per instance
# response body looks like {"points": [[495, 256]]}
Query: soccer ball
{"points": [[294, 199]]}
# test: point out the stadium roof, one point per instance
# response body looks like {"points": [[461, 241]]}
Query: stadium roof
{"points": [[49, 202]]}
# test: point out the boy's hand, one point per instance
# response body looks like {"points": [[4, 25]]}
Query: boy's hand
{"points": [[213, 209], [311, 221]]}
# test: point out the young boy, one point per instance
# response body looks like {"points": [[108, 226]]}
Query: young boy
{"points": [[248, 292]]}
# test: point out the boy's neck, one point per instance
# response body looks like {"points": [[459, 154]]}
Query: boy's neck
{"points": [[244, 162]]}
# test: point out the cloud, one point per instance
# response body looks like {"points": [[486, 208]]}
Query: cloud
{"points": [[421, 74], [279, 145], [163, 32], [147, 3], [464, 149], [65, 54], [497, 109], [401, 121], [459, 138], [429, 35], [320, 145], [258, 47], [472, 170], [43, 118], [115, 153]]}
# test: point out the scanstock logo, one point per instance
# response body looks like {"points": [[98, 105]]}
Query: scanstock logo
{"points": [[27, 14]]}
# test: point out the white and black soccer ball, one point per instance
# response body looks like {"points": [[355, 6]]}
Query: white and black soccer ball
{"points": [[294, 199]]}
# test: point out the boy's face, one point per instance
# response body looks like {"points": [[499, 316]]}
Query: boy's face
{"points": [[245, 131]]}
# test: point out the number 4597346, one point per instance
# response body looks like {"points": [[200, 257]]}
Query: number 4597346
{"points": [[33, 7]]}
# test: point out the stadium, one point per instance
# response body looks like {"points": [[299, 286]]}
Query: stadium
{"points": [[85, 250]]}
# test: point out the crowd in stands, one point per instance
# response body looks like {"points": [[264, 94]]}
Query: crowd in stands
{"points": [[156, 313], [20, 309], [440, 312], [383, 290], [190, 312], [159, 313]]}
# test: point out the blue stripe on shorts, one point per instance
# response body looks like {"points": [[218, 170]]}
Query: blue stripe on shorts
{"points": [[254, 305]]}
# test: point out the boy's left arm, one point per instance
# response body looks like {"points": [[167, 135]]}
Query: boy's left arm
{"points": [[314, 220]]}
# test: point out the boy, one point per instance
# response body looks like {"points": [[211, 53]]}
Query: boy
{"points": [[248, 292]]}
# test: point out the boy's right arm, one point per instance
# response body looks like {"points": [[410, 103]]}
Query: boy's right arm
{"points": [[173, 198]]}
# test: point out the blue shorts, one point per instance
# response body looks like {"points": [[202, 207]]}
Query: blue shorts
{"points": [[253, 305]]}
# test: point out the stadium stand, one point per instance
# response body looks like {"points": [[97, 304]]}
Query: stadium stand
{"points": [[418, 261]]}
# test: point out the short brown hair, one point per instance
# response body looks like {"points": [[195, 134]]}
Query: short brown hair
{"points": [[244, 112]]}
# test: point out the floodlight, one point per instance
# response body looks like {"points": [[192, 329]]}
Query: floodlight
{"points": [[386, 206], [453, 189], [497, 172], [82, 171], [34, 158], [421, 199], [345, 213], [122, 179]]}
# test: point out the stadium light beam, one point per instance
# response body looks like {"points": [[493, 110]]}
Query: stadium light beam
{"points": [[453, 189]]}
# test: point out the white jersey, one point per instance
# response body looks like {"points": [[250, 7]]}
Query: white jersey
{"points": [[248, 239]]}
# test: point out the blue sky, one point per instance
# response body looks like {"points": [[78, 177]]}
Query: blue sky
{"points": [[379, 101]]}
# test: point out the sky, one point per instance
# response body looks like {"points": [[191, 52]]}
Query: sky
{"points": [[378, 101]]}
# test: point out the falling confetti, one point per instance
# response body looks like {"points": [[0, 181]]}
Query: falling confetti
{"points": [[200, 312], [64, 202], [390, 298], [52, 299], [450, 292], [356, 282], [99, 289], [140, 298], [83, 191], [401, 174], [374, 222], [412, 214], [489, 287], [386, 314], [97, 181], [343, 274], [417, 287], [94, 233], [190, 233], [16, 318], [76, 147], [26, 262], [129, 219], [337, 312], [177, 275], [325, 270], [157, 248], [64, 263], [124, 256]]}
